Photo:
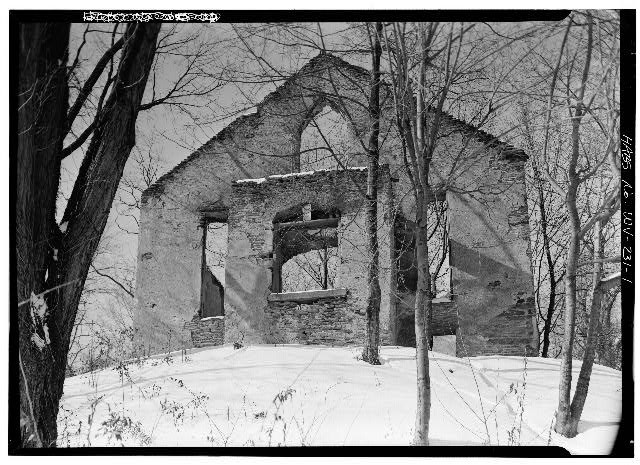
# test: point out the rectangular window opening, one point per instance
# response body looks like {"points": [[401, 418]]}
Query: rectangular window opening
{"points": [[305, 253], [439, 267], [214, 255], [312, 270]]}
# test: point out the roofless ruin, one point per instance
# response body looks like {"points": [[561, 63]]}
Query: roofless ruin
{"points": [[249, 180]]}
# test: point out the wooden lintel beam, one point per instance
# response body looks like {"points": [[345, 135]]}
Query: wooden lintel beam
{"points": [[214, 216], [313, 224]]}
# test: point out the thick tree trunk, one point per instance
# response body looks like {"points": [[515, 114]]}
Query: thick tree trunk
{"points": [[42, 108], [434, 276], [564, 420], [85, 218], [370, 352], [582, 386], [422, 310], [563, 416]]}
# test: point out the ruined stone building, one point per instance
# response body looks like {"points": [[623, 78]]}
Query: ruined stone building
{"points": [[249, 177]]}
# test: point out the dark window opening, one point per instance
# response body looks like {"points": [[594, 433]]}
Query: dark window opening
{"points": [[214, 253], [407, 271], [439, 250], [438, 241]]}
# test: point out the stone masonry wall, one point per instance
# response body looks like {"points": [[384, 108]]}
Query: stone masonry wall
{"points": [[444, 320], [330, 321], [255, 205], [206, 331], [489, 240], [266, 142], [490, 263]]}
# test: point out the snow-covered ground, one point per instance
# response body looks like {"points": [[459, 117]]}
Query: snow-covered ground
{"points": [[314, 395]]}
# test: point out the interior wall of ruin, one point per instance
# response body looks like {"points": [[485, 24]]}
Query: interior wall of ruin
{"points": [[492, 284], [248, 314]]}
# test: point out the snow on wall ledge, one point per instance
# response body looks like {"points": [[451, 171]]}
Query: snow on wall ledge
{"points": [[277, 177]]}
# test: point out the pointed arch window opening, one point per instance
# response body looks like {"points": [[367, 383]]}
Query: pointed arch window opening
{"points": [[328, 135]]}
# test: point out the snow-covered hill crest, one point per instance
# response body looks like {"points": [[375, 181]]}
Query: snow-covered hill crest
{"points": [[313, 395]]}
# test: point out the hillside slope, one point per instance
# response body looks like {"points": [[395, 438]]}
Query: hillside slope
{"points": [[314, 395]]}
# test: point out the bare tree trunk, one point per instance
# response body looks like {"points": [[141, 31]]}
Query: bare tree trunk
{"points": [[372, 342], [84, 221], [325, 268], [544, 229], [419, 126], [42, 107], [599, 287], [546, 246], [422, 311], [434, 276], [564, 413], [434, 292], [563, 417], [582, 387], [546, 331]]}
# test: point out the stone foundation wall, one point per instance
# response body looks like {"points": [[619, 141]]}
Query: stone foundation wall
{"points": [[444, 320], [509, 333], [206, 331], [330, 321]]}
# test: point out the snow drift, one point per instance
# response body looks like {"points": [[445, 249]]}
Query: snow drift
{"points": [[293, 395]]}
